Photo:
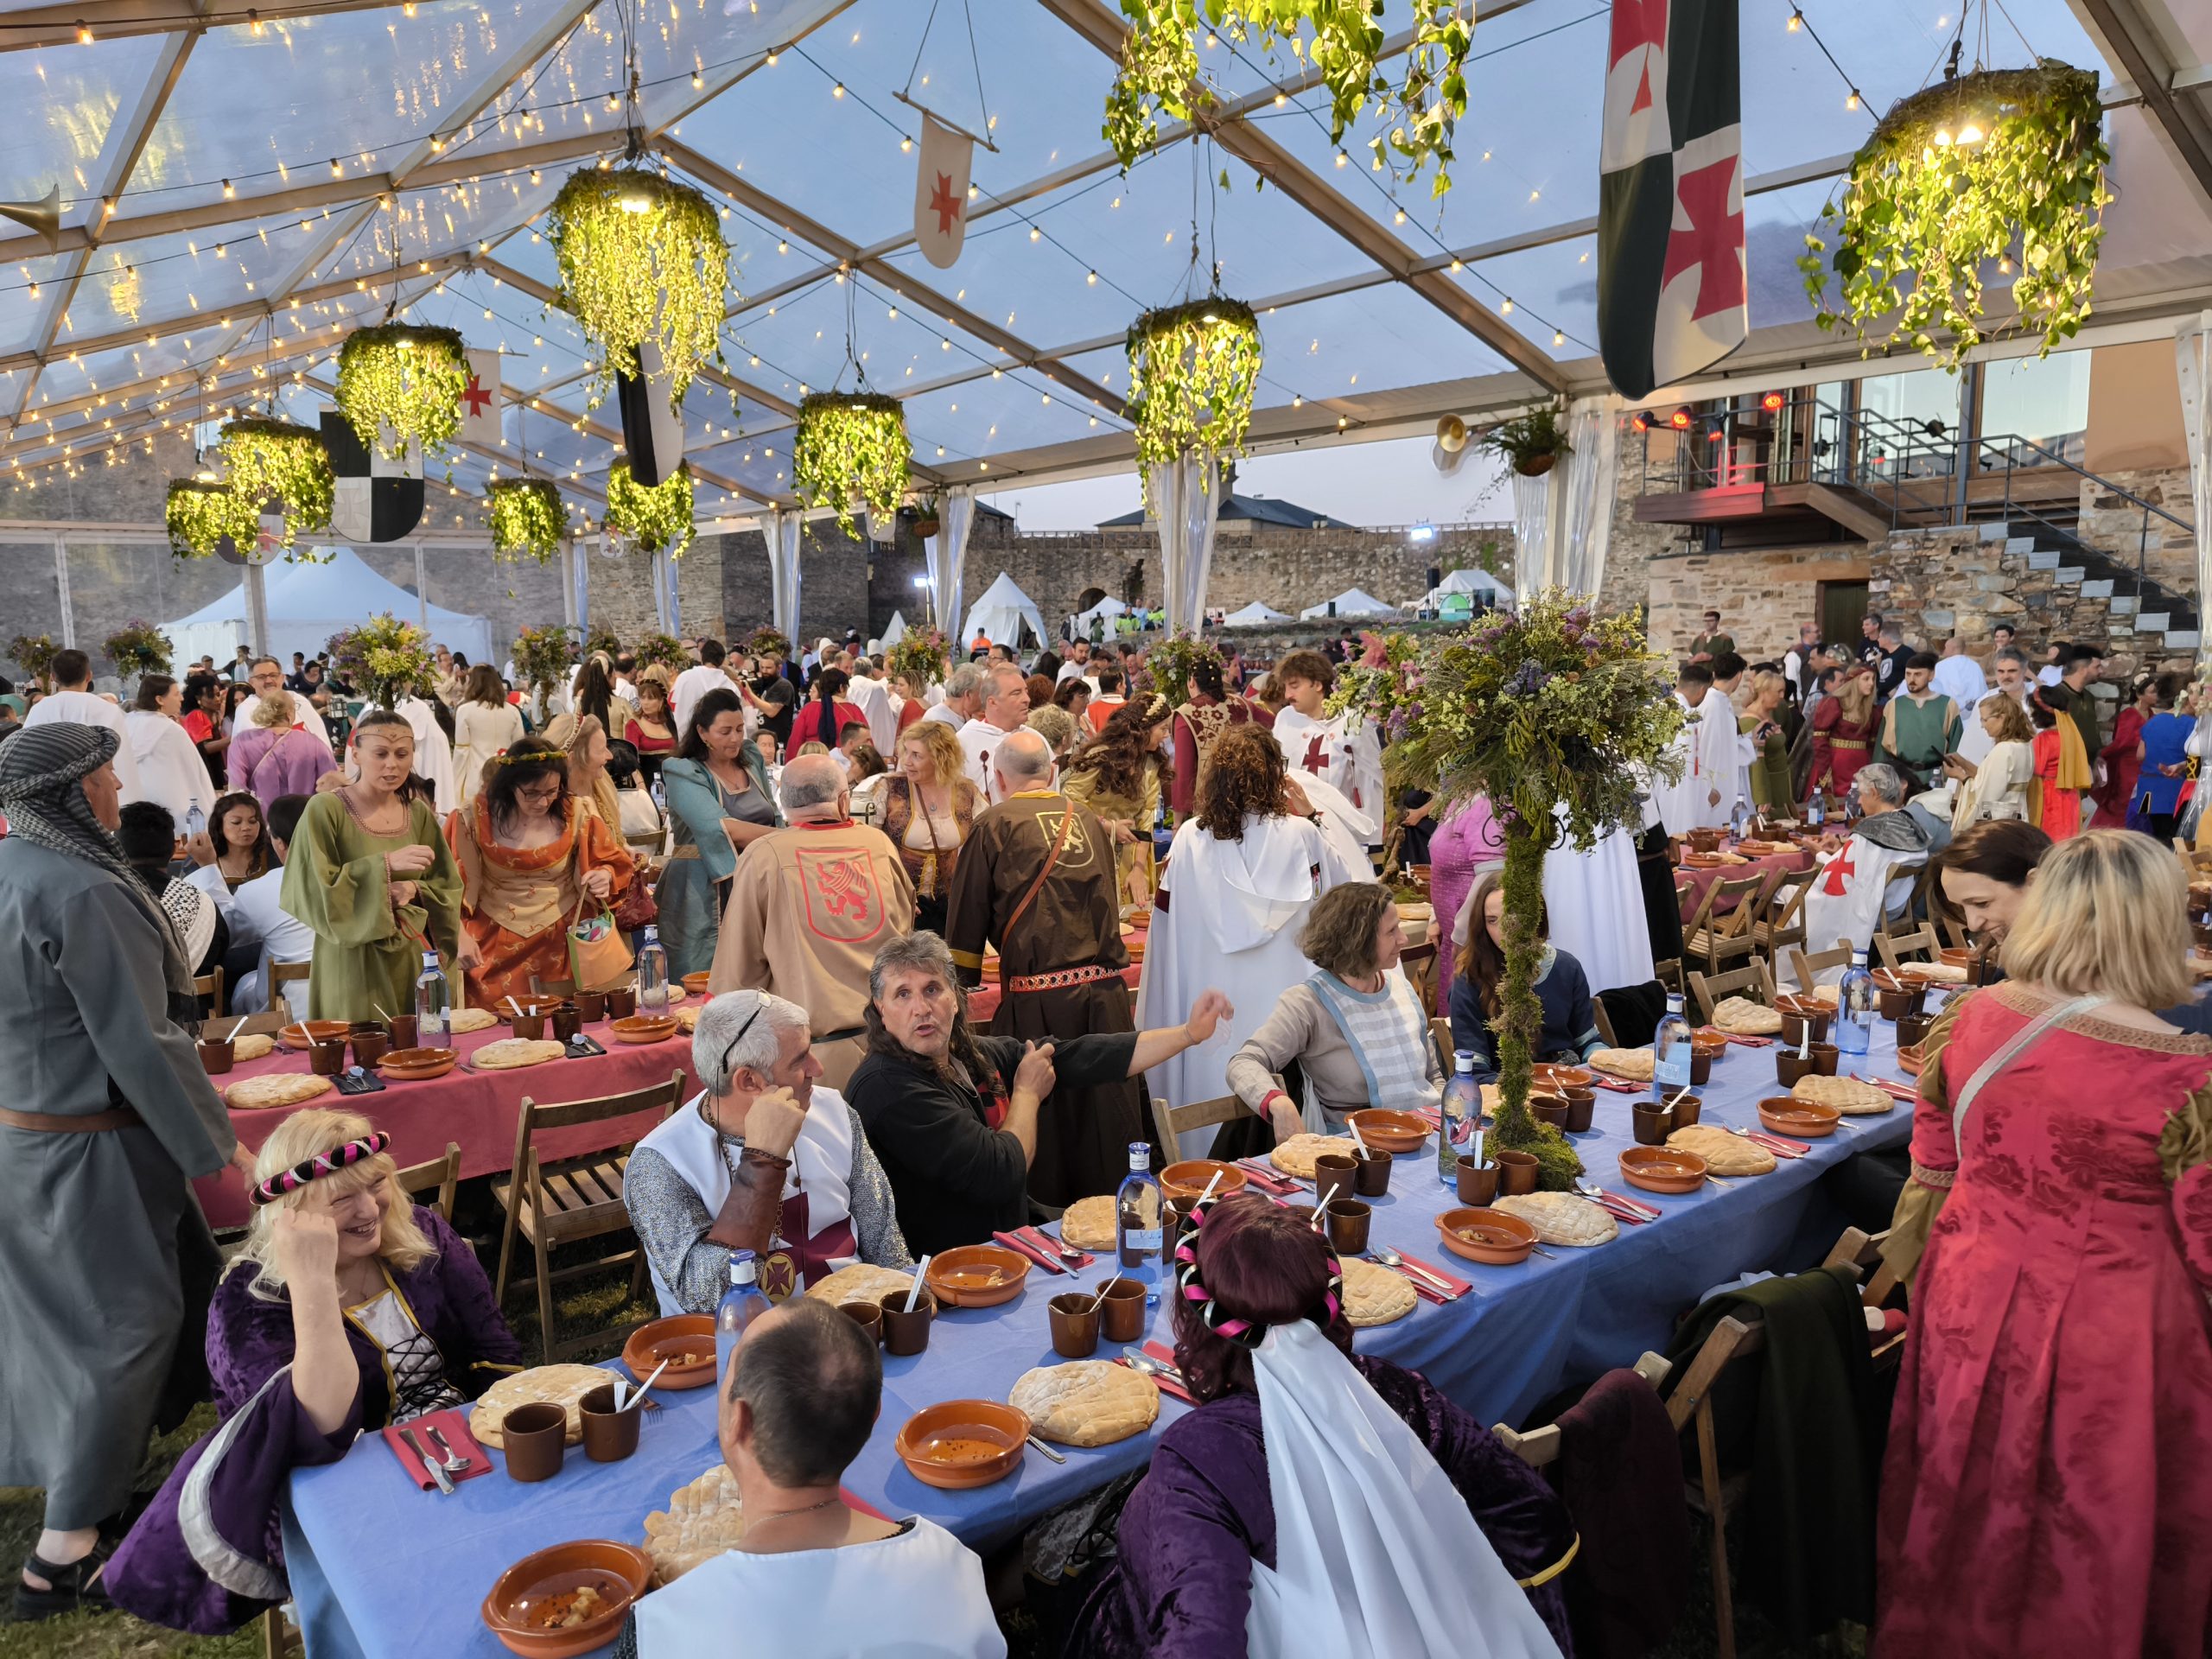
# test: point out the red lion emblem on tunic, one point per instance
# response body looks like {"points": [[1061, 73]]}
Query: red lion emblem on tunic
{"points": [[843, 899]]}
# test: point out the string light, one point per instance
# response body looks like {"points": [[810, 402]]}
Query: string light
{"points": [[84, 33]]}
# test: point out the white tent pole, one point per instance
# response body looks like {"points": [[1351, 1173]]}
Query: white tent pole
{"points": [[422, 590], [61, 584], [568, 582], [257, 609]]}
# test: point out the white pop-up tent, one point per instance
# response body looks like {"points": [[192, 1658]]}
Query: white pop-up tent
{"points": [[1104, 611], [1480, 587], [307, 603], [1256, 612], [1351, 602], [894, 631], [999, 615]]}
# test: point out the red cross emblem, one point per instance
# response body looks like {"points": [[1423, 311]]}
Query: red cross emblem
{"points": [[1713, 242], [1638, 25], [1835, 886], [476, 397], [1313, 762], [946, 204]]}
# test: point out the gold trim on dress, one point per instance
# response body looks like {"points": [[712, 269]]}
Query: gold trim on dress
{"points": [[2025, 999], [1555, 1568]]}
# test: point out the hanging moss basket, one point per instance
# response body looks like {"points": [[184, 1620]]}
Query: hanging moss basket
{"points": [[2000, 167], [852, 446], [526, 517], [276, 460], [1162, 78], [201, 516], [654, 518], [641, 258], [1192, 371], [399, 385]]}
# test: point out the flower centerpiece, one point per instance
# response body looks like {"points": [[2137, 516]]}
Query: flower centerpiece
{"points": [[1192, 371], [650, 519], [2000, 166], [851, 446], [1552, 713], [34, 654], [400, 383], [921, 654], [276, 460], [138, 649], [641, 259], [543, 657], [1173, 660], [526, 517], [201, 516], [661, 651], [385, 659], [769, 642]]}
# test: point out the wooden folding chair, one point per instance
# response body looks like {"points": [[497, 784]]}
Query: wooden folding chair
{"points": [[1781, 920], [1731, 1342], [282, 974], [1707, 990], [1420, 962], [1862, 1253], [1718, 938], [558, 1201], [1805, 964], [440, 1175], [1918, 908], [1440, 1033], [1538, 1447], [1171, 1123], [1896, 950], [210, 985], [1604, 1022]]}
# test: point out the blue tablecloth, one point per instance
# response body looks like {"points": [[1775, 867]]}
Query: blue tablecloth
{"points": [[409, 1568]]}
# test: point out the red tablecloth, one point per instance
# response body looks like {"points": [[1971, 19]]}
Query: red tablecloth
{"points": [[1770, 867], [476, 1109], [983, 1001]]}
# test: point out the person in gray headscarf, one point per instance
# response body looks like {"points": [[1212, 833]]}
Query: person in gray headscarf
{"points": [[110, 1115]]}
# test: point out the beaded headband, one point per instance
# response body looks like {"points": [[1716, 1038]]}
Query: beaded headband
{"points": [[1243, 1331], [285, 1181]]}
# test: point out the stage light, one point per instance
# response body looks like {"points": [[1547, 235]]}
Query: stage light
{"points": [[1682, 419], [1772, 401]]}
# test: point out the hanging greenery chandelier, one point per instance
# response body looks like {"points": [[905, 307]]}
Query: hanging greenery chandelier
{"points": [[641, 258], [1192, 371], [650, 519], [852, 446], [526, 517], [398, 384], [1162, 80], [276, 460], [201, 514], [1998, 165]]}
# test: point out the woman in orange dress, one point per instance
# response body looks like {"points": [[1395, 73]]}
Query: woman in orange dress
{"points": [[529, 854]]}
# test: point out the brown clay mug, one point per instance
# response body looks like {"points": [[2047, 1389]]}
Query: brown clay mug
{"points": [[1076, 1317], [399, 1032], [1581, 1107], [1912, 1030], [1686, 1110], [1122, 1312], [369, 1045], [216, 1056], [609, 1435], [905, 1332], [867, 1315], [326, 1059], [621, 1001], [537, 1438], [1549, 1109], [1372, 1179], [1517, 1173], [1653, 1125], [530, 1025], [591, 1006], [1347, 1221], [1896, 1005], [567, 1022], [1336, 1175], [1478, 1182], [1701, 1069], [1824, 1057], [1794, 1026]]}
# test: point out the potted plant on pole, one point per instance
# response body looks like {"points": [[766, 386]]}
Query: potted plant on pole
{"points": [[1530, 444]]}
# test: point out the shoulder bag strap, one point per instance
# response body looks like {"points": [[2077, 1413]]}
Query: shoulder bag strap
{"points": [[1051, 858], [2026, 1037]]}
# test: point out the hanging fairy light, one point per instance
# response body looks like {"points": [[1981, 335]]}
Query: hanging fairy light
{"points": [[650, 519], [276, 460], [851, 447], [526, 517], [641, 258]]}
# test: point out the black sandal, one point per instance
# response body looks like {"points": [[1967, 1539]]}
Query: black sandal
{"points": [[74, 1586]]}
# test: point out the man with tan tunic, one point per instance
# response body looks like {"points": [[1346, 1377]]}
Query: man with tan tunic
{"points": [[809, 906], [1036, 879]]}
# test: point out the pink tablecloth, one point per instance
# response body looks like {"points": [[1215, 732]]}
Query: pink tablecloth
{"points": [[476, 1109], [1772, 866]]}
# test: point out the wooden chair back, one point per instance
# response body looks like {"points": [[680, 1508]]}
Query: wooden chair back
{"points": [[1538, 1447], [1707, 990], [1419, 962], [1732, 1341], [1781, 919], [1440, 1033], [1171, 1123], [1806, 964], [1896, 950], [1604, 1022], [440, 1175], [282, 974], [1717, 936], [210, 985]]}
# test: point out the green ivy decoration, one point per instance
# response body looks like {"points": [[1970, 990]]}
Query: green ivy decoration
{"points": [[35, 654], [641, 257], [650, 519], [526, 517], [401, 382], [661, 651], [601, 641], [852, 446], [2000, 165], [1173, 660], [543, 657], [769, 642], [1161, 78], [200, 515], [276, 460], [1192, 371], [385, 659], [137, 649]]}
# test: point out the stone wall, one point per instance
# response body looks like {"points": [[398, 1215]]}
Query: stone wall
{"points": [[2114, 525], [1631, 579], [1762, 594]]}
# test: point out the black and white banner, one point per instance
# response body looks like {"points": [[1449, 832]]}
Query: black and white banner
{"points": [[652, 425], [378, 500]]}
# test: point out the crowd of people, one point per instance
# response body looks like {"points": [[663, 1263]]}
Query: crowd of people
{"points": [[846, 852]]}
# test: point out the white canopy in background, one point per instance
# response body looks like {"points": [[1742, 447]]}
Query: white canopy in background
{"points": [[1480, 584], [1256, 612], [307, 603], [1351, 602], [894, 631], [999, 615], [1105, 610]]}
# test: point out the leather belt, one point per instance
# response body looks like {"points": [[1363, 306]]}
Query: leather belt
{"points": [[1061, 978], [117, 1117]]}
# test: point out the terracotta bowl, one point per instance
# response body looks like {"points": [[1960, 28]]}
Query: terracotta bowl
{"points": [[1800, 1120], [696, 984], [1188, 1178], [670, 1338], [960, 1444], [298, 1035], [977, 1276], [621, 1573], [417, 1064], [1909, 1060], [1708, 1046], [1701, 861], [1491, 1236], [1393, 1131], [1551, 1077], [1662, 1169], [639, 1028]]}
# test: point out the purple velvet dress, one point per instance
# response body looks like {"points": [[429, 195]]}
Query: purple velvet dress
{"points": [[207, 1556], [1182, 1583], [1467, 837]]}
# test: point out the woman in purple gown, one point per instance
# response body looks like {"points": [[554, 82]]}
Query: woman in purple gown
{"points": [[350, 1308], [1202, 1520]]}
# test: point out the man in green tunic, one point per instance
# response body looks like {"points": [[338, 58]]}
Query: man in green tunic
{"points": [[1920, 726]]}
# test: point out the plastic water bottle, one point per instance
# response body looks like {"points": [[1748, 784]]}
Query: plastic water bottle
{"points": [[653, 975], [1736, 819], [195, 824], [741, 1305], [1463, 1110], [1138, 1238], [1854, 1007], [1815, 814], [1670, 1053], [660, 797], [431, 1002]]}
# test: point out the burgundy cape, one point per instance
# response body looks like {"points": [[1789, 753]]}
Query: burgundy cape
{"points": [[1182, 1584], [205, 1556]]}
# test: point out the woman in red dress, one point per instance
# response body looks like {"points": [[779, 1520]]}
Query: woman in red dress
{"points": [[652, 732], [2123, 756], [1843, 733], [2059, 770], [824, 713], [2048, 1486]]}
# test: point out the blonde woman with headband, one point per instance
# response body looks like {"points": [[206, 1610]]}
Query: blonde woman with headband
{"points": [[350, 1308], [585, 739]]}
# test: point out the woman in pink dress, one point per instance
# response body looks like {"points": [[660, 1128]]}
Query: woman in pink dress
{"points": [[2048, 1486], [1467, 840], [275, 756]]}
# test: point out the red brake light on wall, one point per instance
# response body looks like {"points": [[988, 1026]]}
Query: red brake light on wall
{"points": [[1772, 401]]}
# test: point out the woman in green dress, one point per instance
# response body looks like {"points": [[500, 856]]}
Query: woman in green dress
{"points": [[369, 872], [1766, 751], [718, 802]]}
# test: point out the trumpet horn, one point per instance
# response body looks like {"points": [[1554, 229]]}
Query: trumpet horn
{"points": [[43, 215]]}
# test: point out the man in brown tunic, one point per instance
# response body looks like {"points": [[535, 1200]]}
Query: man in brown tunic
{"points": [[1036, 880]]}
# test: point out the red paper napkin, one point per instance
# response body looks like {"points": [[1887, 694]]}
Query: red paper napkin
{"points": [[1890, 1086], [1267, 1178], [1736, 1038], [453, 1423], [1165, 1355], [1619, 1086], [1629, 1209], [1781, 1144], [1459, 1287], [1022, 1246], [1038, 1237]]}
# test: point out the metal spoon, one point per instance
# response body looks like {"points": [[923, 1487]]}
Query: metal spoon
{"points": [[454, 1462], [1593, 1191], [1138, 1360], [1046, 1450]]}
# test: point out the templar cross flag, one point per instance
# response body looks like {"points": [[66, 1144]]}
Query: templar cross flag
{"points": [[941, 192], [479, 400], [1670, 216]]}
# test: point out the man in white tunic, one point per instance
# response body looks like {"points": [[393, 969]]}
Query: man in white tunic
{"points": [[706, 674], [2012, 670], [877, 705], [1706, 748], [1341, 750], [1005, 696], [72, 700], [1959, 677]]}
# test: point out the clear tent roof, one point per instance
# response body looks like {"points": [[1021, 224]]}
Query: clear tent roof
{"points": [[238, 193]]}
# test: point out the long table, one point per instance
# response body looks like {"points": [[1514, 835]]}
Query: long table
{"points": [[409, 1568]]}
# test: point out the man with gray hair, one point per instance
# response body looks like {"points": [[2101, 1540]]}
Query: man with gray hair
{"points": [[1005, 692], [1869, 878], [2014, 680], [807, 906], [963, 697], [761, 1153]]}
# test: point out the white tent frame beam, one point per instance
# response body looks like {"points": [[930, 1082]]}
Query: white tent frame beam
{"points": [[109, 20], [2141, 39]]}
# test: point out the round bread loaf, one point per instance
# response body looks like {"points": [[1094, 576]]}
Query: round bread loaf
{"points": [[1086, 1402]]}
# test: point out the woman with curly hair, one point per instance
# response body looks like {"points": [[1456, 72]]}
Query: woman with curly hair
{"points": [[1116, 775], [1415, 1524]]}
